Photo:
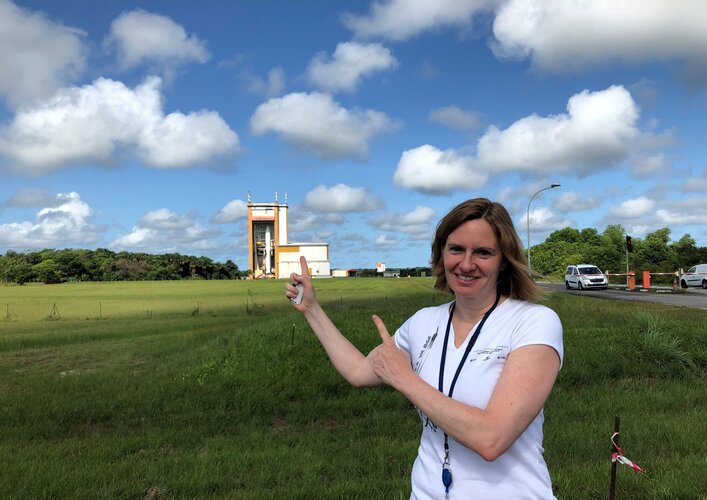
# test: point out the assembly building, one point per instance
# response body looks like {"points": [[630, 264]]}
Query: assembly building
{"points": [[270, 253]]}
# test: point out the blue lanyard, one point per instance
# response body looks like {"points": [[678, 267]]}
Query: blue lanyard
{"points": [[446, 472]]}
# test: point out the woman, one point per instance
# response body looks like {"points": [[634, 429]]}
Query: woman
{"points": [[478, 369]]}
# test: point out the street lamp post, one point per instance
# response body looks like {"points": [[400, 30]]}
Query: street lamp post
{"points": [[551, 186]]}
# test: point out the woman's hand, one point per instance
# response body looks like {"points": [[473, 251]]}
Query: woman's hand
{"points": [[346, 358], [391, 364], [309, 298]]}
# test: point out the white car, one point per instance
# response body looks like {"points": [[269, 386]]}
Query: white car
{"points": [[695, 276], [585, 276]]}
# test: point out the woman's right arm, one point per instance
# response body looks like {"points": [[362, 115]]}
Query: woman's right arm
{"points": [[356, 368]]}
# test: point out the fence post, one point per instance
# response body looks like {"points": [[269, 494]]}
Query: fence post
{"points": [[631, 280], [612, 484], [646, 279]]}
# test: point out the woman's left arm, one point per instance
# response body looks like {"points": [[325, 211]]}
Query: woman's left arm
{"points": [[522, 389]]}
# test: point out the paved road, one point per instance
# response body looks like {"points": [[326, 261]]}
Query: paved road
{"points": [[692, 297]]}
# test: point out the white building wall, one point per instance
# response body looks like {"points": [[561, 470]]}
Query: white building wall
{"points": [[262, 210], [317, 260]]}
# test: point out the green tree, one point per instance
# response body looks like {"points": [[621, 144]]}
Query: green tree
{"points": [[130, 267], [203, 268], [16, 268], [687, 253], [229, 271], [566, 235], [103, 261], [591, 246], [551, 258], [72, 264], [654, 253], [561, 248], [48, 271], [612, 254]]}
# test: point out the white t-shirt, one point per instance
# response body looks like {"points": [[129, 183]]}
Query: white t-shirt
{"points": [[521, 471]]}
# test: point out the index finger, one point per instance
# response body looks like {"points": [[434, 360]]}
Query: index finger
{"points": [[382, 330], [303, 265]]}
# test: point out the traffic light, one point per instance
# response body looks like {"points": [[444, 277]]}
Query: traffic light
{"points": [[629, 244]]}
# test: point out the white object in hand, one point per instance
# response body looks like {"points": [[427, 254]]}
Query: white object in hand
{"points": [[298, 298]]}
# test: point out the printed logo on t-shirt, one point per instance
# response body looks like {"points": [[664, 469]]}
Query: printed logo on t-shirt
{"points": [[426, 422], [424, 352], [489, 353], [483, 354], [417, 367]]}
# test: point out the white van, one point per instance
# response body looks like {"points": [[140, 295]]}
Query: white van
{"points": [[695, 276], [584, 276]]}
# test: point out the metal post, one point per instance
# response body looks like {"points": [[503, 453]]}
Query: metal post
{"points": [[612, 481], [527, 220], [626, 264]]}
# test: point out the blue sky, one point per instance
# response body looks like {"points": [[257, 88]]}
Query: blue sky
{"points": [[143, 126]]}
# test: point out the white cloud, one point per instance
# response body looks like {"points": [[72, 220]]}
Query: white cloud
{"points": [[420, 215], [575, 202], [313, 122], [164, 219], [141, 37], [597, 131], [642, 215], [416, 223], [407, 222], [179, 140], [633, 208], [139, 237], [85, 124], [542, 220], [568, 36], [351, 62], [688, 211], [403, 19], [272, 87], [301, 219], [162, 231], [637, 230], [340, 198], [386, 241], [31, 198], [64, 223], [695, 184], [649, 166], [37, 56], [671, 218], [233, 211], [456, 118], [429, 170]]}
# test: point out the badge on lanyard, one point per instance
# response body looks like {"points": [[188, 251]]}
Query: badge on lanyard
{"points": [[446, 470]]}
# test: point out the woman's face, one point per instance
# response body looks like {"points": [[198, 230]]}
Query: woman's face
{"points": [[472, 260]]}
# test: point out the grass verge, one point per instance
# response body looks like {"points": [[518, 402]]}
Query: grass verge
{"points": [[238, 400]]}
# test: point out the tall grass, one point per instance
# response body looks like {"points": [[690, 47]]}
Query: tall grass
{"points": [[239, 400], [660, 342]]}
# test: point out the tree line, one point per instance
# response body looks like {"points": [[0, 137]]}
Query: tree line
{"points": [[607, 250], [59, 266]]}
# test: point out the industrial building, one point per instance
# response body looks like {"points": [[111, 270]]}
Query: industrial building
{"points": [[270, 253]]}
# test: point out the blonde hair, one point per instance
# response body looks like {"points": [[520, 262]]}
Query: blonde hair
{"points": [[514, 280]]}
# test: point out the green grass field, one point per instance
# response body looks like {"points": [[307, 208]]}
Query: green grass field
{"points": [[215, 389]]}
